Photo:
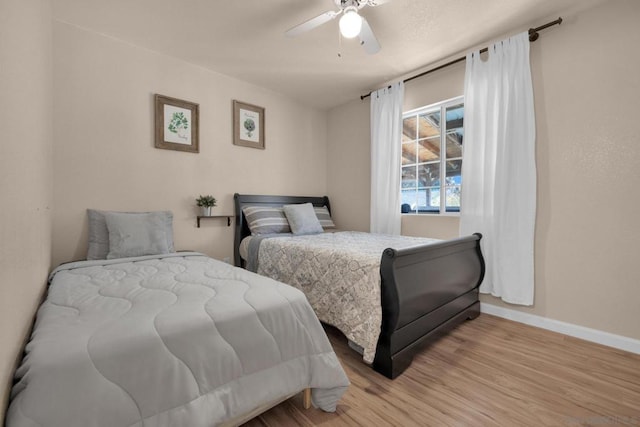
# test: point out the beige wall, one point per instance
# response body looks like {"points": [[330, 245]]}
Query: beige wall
{"points": [[586, 98], [25, 173], [104, 156], [349, 165]]}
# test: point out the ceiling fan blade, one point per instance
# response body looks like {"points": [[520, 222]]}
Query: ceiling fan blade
{"points": [[367, 39], [377, 2], [312, 23]]}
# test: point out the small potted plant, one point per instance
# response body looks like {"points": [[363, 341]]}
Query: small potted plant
{"points": [[206, 203]]}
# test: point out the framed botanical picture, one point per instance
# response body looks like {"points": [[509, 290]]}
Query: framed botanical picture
{"points": [[248, 125], [176, 124]]}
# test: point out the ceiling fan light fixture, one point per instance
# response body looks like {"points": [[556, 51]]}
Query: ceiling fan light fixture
{"points": [[350, 23]]}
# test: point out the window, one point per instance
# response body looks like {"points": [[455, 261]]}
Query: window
{"points": [[432, 158]]}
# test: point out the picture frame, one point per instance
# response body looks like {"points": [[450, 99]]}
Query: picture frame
{"points": [[248, 125], [176, 124]]}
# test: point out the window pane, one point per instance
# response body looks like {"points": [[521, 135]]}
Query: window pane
{"points": [[409, 153], [429, 124], [429, 175], [410, 200], [455, 116], [431, 200], [453, 199], [421, 200], [454, 143], [408, 177], [405, 138], [409, 131], [454, 179], [454, 170], [429, 149]]}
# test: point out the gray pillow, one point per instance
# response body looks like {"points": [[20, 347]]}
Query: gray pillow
{"points": [[324, 217], [302, 219], [132, 234], [99, 235], [266, 219]]}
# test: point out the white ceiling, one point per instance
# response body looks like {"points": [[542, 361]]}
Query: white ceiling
{"points": [[245, 38]]}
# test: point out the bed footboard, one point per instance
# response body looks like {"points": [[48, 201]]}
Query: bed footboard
{"points": [[426, 291]]}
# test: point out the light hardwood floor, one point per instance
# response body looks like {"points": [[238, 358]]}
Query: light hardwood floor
{"points": [[489, 371]]}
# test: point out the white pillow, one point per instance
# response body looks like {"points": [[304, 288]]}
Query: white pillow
{"points": [[302, 219], [133, 234], [99, 235]]}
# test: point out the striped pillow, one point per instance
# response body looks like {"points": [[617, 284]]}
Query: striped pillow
{"points": [[266, 219], [324, 217]]}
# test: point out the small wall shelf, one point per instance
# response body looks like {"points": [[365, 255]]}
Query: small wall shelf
{"points": [[215, 216]]}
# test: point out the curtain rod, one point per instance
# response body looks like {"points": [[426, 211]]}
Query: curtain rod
{"points": [[533, 36]]}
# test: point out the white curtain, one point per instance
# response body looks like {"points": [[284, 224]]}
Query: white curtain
{"points": [[386, 135], [499, 170]]}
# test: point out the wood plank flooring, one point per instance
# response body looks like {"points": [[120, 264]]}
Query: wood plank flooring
{"points": [[487, 372]]}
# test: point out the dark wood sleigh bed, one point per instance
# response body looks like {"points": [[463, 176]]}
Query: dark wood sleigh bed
{"points": [[425, 291]]}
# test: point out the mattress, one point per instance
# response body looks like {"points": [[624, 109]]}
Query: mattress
{"points": [[168, 340], [338, 272]]}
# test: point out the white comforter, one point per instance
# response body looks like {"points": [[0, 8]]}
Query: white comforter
{"points": [[181, 340]]}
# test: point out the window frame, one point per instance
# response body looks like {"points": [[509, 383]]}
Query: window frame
{"points": [[442, 108]]}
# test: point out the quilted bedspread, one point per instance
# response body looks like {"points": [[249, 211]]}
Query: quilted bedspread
{"points": [[340, 275], [180, 340]]}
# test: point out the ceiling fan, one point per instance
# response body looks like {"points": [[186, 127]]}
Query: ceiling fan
{"points": [[351, 23]]}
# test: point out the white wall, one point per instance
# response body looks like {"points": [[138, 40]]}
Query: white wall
{"points": [[104, 155], [586, 90], [25, 173]]}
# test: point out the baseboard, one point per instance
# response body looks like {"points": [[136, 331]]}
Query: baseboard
{"points": [[587, 334]]}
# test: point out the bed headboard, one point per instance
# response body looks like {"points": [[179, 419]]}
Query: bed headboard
{"points": [[241, 200]]}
